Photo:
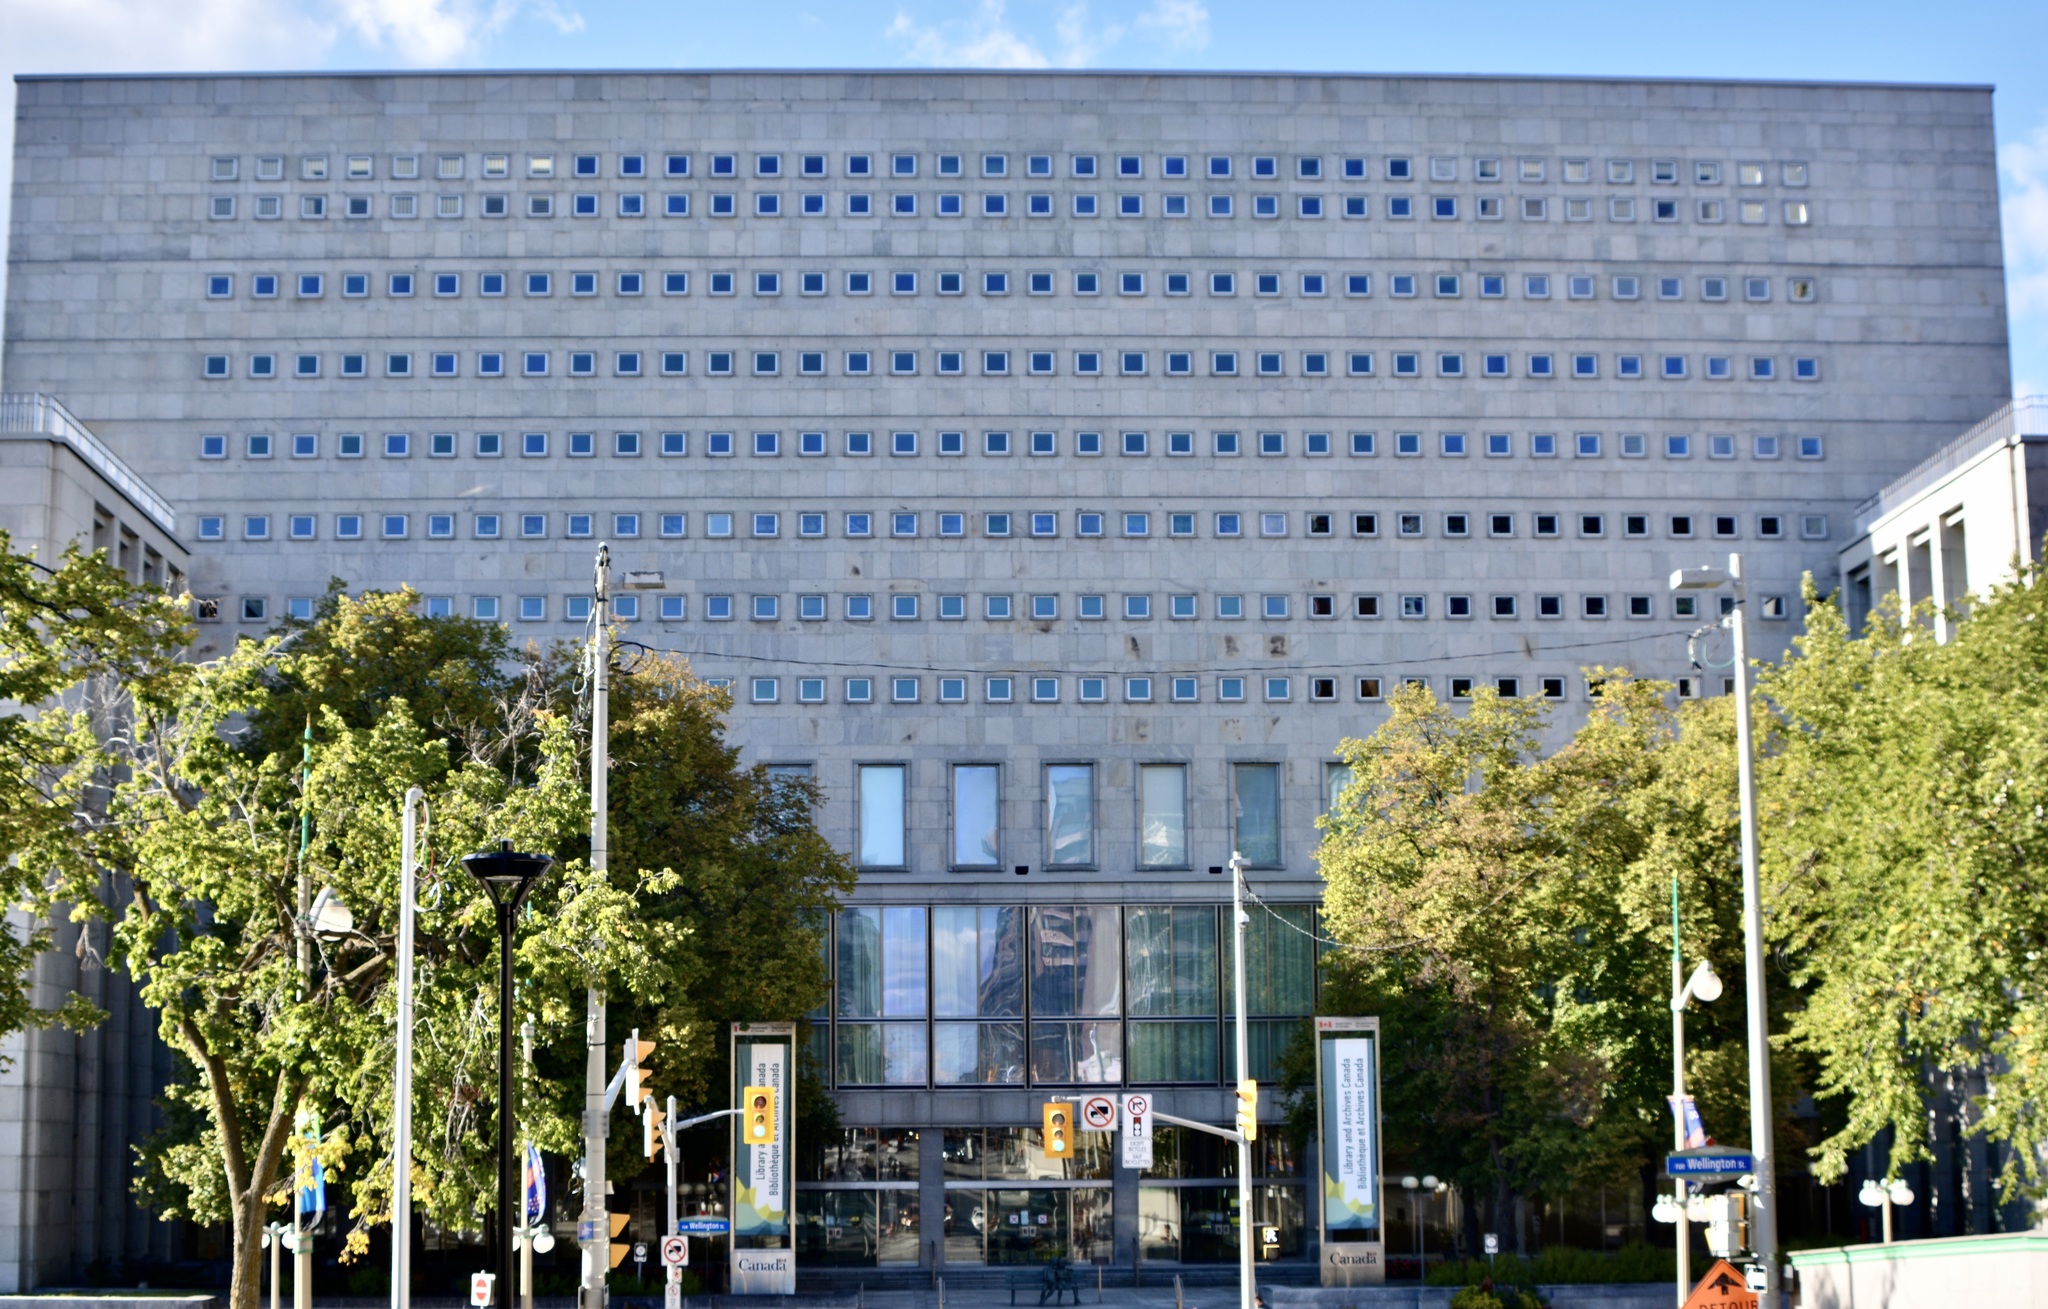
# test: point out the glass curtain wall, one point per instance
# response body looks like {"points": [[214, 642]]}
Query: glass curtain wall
{"points": [[1006, 1203], [978, 995], [881, 989], [1279, 982], [1171, 968], [1076, 994], [856, 1198], [1188, 1200]]}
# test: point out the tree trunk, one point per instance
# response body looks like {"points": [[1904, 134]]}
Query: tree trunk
{"points": [[245, 1282]]}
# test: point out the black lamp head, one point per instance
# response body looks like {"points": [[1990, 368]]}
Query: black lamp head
{"points": [[506, 874]]}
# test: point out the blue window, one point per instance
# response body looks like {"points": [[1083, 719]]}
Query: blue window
{"points": [[219, 286]]}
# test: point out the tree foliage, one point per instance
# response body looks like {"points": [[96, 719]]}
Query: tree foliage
{"points": [[1507, 912], [78, 644], [208, 829], [1905, 839]]}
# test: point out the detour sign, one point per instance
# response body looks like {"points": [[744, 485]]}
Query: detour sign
{"points": [[1722, 1288]]}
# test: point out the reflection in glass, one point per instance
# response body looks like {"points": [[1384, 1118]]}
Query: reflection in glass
{"points": [[1198, 1224], [1070, 815], [1335, 778], [881, 815], [1172, 961], [1075, 970], [857, 1229], [881, 956], [1173, 1051], [974, 815], [882, 1054], [1163, 816], [987, 1053], [1255, 811], [978, 962], [1279, 961], [1076, 1052]]}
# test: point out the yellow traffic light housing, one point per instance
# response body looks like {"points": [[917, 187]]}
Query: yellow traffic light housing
{"points": [[757, 1115], [619, 1249], [637, 1053], [1248, 1109], [651, 1120], [1059, 1135]]}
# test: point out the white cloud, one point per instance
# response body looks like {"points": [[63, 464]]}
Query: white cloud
{"points": [[987, 39], [982, 41], [2025, 211], [437, 33], [1177, 24]]}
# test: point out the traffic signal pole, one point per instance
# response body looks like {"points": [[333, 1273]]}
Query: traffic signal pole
{"points": [[593, 1232], [1246, 1269]]}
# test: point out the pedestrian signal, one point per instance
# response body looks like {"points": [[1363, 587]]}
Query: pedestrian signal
{"points": [[1248, 1109], [757, 1115], [1059, 1137]]}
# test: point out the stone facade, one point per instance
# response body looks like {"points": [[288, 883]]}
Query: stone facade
{"points": [[1343, 381]]}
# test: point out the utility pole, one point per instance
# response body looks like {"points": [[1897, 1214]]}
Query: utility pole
{"points": [[1682, 1224], [401, 1094], [594, 1231], [529, 1224], [668, 1154], [1246, 1268], [1763, 1222], [302, 1240]]}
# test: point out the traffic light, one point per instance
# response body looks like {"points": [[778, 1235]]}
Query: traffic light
{"points": [[651, 1120], [637, 1052], [619, 1249], [757, 1115], [1059, 1136], [1248, 1108]]}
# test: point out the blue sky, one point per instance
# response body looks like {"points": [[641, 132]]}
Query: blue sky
{"points": [[1980, 41]]}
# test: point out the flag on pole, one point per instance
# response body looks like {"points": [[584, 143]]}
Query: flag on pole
{"points": [[536, 1187], [1687, 1114], [312, 1174]]}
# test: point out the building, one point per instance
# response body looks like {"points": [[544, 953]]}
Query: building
{"points": [[74, 1105], [1056, 467], [1957, 522]]}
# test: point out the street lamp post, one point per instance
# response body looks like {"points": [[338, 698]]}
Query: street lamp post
{"points": [[1764, 1206], [1420, 1189], [1884, 1195], [507, 877], [401, 1092], [1705, 985]]}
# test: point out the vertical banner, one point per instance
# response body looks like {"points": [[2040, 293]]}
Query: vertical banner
{"points": [[1348, 1113], [763, 1186], [311, 1181], [536, 1187]]}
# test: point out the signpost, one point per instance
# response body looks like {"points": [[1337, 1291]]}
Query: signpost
{"points": [[1137, 1130], [1348, 1109], [1724, 1287], [1710, 1161]]}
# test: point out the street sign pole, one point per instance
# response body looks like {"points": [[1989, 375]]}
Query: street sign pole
{"points": [[1246, 1269]]}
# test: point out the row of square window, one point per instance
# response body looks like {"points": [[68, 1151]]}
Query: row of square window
{"points": [[1402, 286], [1045, 608], [1036, 204], [1036, 363], [1394, 168], [627, 445], [1135, 525]]}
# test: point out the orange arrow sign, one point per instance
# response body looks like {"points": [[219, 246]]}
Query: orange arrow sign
{"points": [[1722, 1288]]}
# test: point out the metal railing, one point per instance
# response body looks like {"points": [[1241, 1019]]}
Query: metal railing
{"points": [[2027, 416], [35, 414]]}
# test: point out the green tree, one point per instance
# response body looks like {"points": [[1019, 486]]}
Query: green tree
{"points": [[1507, 913], [78, 643], [209, 830], [1905, 834]]}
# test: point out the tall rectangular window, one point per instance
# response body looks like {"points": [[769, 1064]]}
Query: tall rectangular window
{"points": [[1280, 974], [881, 843], [1076, 994], [978, 995], [881, 977], [1255, 813], [976, 815], [1163, 815], [1070, 815], [1170, 968]]}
